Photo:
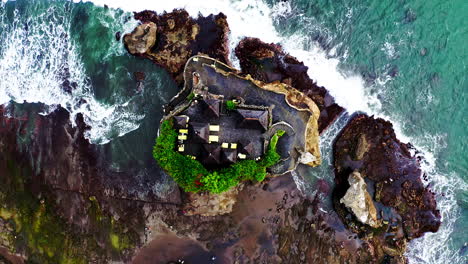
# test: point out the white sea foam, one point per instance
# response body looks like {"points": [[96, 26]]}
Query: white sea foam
{"points": [[389, 50], [326, 148], [435, 247], [117, 22], [37, 59]]}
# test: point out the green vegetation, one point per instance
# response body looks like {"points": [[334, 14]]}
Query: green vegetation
{"points": [[119, 240], [35, 226], [192, 176], [44, 235], [190, 96], [185, 171], [230, 105]]}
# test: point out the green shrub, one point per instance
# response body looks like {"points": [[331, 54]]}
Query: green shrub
{"points": [[185, 171], [230, 105], [192, 176], [191, 96]]}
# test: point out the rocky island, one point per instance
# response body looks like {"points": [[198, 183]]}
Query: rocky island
{"points": [[269, 114], [225, 118]]}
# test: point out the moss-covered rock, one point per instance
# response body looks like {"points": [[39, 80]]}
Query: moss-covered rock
{"points": [[31, 226]]}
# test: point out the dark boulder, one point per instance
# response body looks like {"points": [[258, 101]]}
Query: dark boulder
{"points": [[406, 208]]}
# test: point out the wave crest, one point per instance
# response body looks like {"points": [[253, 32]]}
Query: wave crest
{"points": [[39, 62]]}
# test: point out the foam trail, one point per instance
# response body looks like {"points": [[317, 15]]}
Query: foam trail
{"points": [[252, 18], [435, 247], [326, 146], [36, 61]]}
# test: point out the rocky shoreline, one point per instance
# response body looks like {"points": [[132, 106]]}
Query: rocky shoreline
{"points": [[68, 181]]}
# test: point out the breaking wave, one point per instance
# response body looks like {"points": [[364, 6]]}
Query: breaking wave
{"points": [[39, 62]]}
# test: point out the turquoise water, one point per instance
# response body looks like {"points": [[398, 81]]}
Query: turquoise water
{"points": [[412, 56], [405, 61]]}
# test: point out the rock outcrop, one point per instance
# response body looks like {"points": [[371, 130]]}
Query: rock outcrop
{"points": [[54, 184], [269, 63], [406, 208], [358, 200], [271, 222], [178, 37], [142, 39]]}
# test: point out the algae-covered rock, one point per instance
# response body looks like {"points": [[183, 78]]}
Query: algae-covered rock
{"points": [[45, 211], [358, 200]]}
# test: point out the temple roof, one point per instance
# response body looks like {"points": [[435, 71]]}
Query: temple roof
{"points": [[180, 121], [253, 119], [211, 154], [211, 107], [229, 155], [247, 147], [199, 132]]}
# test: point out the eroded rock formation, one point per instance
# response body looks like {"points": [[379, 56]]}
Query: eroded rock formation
{"points": [[208, 204], [178, 37], [358, 200], [142, 39], [406, 208]]}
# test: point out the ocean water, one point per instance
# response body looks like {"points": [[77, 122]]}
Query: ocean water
{"points": [[405, 61]]}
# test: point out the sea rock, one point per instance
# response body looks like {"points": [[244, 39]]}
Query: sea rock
{"points": [[180, 37], [358, 200], [142, 38], [139, 76], [269, 63], [369, 145], [307, 157]]}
